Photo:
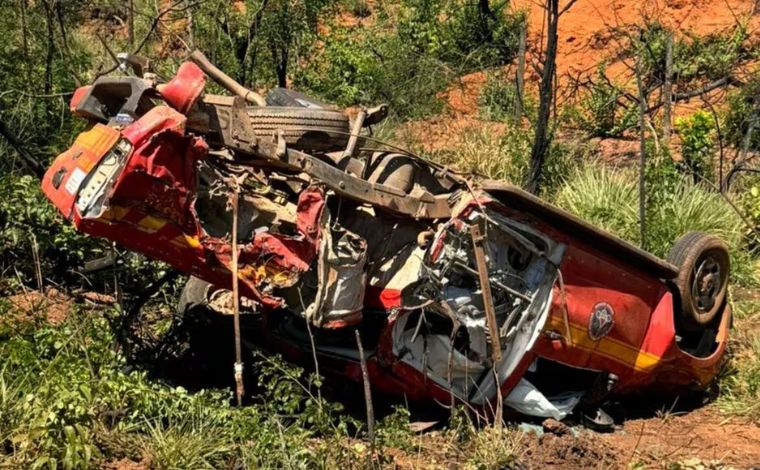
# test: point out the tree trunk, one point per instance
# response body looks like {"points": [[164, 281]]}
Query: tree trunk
{"points": [[131, 22], [485, 13], [520, 78], [50, 48], [282, 68], [667, 92], [62, 25], [24, 39], [642, 155], [542, 138]]}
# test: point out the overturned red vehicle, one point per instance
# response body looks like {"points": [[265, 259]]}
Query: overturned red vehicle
{"points": [[462, 288]]}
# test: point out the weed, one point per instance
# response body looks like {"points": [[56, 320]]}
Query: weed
{"points": [[194, 441], [485, 152], [394, 431], [495, 447], [603, 196]]}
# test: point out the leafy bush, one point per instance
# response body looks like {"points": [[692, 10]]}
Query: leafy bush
{"points": [[68, 400], [481, 37], [710, 57], [28, 222], [409, 54], [697, 143], [374, 69]]}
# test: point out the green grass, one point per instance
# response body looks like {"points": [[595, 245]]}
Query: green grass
{"points": [[490, 153], [739, 384], [604, 197], [69, 399], [608, 198]]}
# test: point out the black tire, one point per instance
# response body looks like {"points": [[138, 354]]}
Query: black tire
{"points": [[702, 282], [308, 129], [194, 295]]}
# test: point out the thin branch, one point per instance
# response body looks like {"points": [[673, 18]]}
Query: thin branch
{"points": [[566, 7]]}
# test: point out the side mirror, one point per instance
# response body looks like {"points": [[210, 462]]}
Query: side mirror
{"points": [[375, 115]]}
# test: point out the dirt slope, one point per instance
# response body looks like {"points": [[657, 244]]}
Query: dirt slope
{"points": [[585, 30], [586, 38]]}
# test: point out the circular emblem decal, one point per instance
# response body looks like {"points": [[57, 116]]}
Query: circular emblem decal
{"points": [[601, 321]]}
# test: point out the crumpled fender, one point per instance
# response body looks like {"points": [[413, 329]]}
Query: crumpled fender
{"points": [[150, 207], [183, 90], [278, 259], [63, 179]]}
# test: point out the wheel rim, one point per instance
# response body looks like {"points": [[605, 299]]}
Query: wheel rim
{"points": [[707, 284]]}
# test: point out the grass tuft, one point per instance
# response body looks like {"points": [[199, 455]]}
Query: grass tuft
{"points": [[608, 198]]}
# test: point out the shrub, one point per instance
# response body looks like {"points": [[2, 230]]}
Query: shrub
{"points": [[375, 68], [743, 114], [28, 222], [485, 152], [697, 143], [481, 38], [68, 400], [605, 197], [409, 54], [709, 57]]}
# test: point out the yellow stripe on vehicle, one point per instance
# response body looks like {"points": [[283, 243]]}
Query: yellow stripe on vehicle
{"points": [[184, 241], [607, 347], [151, 224]]}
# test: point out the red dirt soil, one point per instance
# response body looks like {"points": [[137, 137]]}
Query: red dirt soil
{"points": [[585, 30], [52, 307], [586, 38], [700, 434]]}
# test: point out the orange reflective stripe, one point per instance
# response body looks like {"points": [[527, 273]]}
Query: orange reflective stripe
{"points": [[98, 140], [607, 347]]}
